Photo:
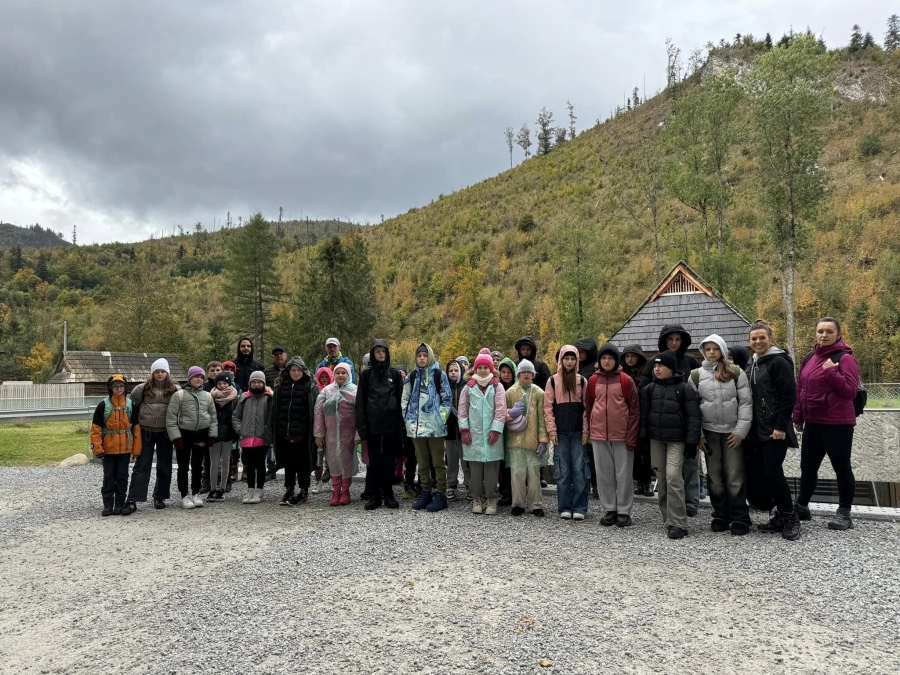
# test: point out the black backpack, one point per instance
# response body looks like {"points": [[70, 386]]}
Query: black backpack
{"points": [[862, 396]]}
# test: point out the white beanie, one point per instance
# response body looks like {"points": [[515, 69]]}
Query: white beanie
{"points": [[525, 366], [160, 364]]}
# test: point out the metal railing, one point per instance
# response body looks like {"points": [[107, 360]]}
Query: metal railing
{"points": [[883, 392], [41, 396]]}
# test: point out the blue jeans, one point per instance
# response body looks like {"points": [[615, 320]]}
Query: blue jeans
{"points": [[571, 472]]}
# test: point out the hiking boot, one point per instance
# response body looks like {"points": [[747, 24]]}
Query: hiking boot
{"points": [[719, 525], [107, 511], [129, 508], [623, 521], [803, 512], [390, 502], [477, 506], [739, 529], [288, 498], [117, 510], [373, 503], [491, 508], [538, 512], [609, 518], [677, 532], [841, 520], [517, 511], [791, 530], [159, 504], [692, 511], [439, 503], [775, 524], [422, 501]]}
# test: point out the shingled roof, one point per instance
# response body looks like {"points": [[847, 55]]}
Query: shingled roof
{"points": [[96, 367], [683, 297]]}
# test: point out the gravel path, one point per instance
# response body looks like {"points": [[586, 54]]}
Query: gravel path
{"points": [[262, 589]]}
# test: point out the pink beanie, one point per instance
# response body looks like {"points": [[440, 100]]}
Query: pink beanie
{"points": [[194, 371], [484, 359]]}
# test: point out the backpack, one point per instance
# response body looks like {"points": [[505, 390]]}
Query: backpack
{"points": [[695, 375], [109, 409], [862, 396]]}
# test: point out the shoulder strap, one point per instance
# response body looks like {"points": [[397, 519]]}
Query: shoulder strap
{"points": [[626, 386], [695, 377], [807, 358], [837, 356]]}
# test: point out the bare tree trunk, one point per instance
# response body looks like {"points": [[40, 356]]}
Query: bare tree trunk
{"points": [[720, 215], [705, 213]]}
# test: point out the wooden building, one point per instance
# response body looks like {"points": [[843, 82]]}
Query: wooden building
{"points": [[93, 369]]}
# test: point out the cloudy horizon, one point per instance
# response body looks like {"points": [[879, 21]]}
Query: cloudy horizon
{"points": [[126, 118]]}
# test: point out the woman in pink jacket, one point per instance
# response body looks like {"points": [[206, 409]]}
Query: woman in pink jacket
{"points": [[612, 420], [824, 413]]}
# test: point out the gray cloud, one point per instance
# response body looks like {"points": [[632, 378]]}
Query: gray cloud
{"points": [[127, 116]]}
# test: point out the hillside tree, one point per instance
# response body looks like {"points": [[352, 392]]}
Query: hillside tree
{"points": [[856, 39], [868, 41], [892, 35], [673, 66], [523, 140], [143, 319], [251, 283], [768, 42], [546, 131], [510, 136], [791, 94], [571, 108], [560, 136]]}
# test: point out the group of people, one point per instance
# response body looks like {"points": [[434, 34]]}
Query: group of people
{"points": [[609, 418]]}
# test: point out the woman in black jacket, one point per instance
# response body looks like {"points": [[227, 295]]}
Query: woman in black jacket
{"points": [[771, 375], [291, 420]]}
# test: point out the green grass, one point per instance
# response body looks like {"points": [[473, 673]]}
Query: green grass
{"points": [[883, 403], [41, 443]]}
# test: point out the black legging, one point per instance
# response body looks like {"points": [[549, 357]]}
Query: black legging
{"points": [[774, 453], [294, 456], [836, 441], [254, 460], [643, 470], [380, 474], [191, 456]]}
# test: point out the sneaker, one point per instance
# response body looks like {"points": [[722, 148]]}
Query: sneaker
{"points": [[288, 499], [477, 506], [187, 502], [692, 511], [775, 524], [423, 501], [639, 490], [129, 508], [803, 512], [517, 511], [373, 503], [220, 495], [719, 525], [438, 503], [791, 530], [566, 515], [316, 488], [159, 504], [257, 496], [623, 521], [677, 532], [107, 511], [577, 516], [841, 520], [609, 518], [491, 508], [451, 494], [249, 498], [199, 501], [117, 510], [390, 502], [538, 512], [648, 492]]}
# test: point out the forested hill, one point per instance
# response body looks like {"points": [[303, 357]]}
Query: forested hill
{"points": [[567, 243], [33, 236]]}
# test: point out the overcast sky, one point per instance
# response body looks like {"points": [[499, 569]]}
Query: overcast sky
{"points": [[124, 117]]}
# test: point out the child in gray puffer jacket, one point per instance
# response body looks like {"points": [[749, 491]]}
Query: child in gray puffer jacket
{"points": [[250, 423]]}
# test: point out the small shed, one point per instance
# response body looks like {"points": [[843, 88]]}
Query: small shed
{"points": [[683, 297], [93, 369]]}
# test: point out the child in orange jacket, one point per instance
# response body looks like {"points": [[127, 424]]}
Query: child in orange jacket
{"points": [[115, 437]]}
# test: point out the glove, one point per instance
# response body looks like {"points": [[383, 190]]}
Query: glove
{"points": [[178, 443], [542, 449], [517, 410], [690, 451], [211, 441], [493, 437], [466, 436]]}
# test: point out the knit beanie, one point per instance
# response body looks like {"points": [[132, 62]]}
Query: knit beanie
{"points": [[257, 375], [223, 377], [484, 359], [526, 366], [496, 353], [193, 371], [344, 367], [668, 359], [159, 364]]}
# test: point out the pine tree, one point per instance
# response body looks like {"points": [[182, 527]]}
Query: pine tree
{"points": [[523, 140], [856, 39], [768, 42], [181, 252], [635, 97], [868, 41], [545, 131], [892, 36], [42, 269], [219, 343], [560, 136], [251, 283], [15, 260]]}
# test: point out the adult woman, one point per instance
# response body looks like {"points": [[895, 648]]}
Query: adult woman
{"points": [[771, 374], [152, 401], [824, 413]]}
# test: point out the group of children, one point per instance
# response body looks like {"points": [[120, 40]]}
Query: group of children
{"points": [[490, 420]]}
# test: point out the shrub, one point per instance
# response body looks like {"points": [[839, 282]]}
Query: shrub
{"points": [[526, 223], [870, 145]]}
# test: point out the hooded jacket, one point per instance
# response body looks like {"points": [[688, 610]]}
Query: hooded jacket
{"points": [[686, 362], [521, 446], [336, 423], [512, 365], [455, 392], [113, 431], [670, 411], [192, 410], [293, 405], [826, 396], [586, 367], [251, 419], [564, 411], [379, 396], [482, 411], [774, 394], [330, 363], [636, 372], [151, 409], [426, 400], [609, 414], [246, 365], [726, 407], [541, 371]]}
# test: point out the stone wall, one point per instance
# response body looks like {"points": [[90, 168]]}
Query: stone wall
{"points": [[876, 449]]}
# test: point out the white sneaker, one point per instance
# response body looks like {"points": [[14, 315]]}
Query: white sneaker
{"points": [[578, 516], [316, 488], [198, 500], [249, 498], [257, 496], [566, 515], [187, 502]]}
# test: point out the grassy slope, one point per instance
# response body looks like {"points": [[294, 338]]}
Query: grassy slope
{"points": [[41, 443]]}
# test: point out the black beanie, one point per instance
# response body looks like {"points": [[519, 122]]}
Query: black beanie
{"points": [[668, 359], [223, 377]]}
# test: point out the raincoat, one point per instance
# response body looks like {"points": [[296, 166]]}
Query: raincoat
{"points": [[482, 412], [426, 408], [335, 421], [521, 447]]}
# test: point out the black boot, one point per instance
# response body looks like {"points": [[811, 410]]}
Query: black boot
{"points": [[373, 503], [841, 520], [791, 529], [803, 512], [775, 524], [389, 500], [129, 508]]}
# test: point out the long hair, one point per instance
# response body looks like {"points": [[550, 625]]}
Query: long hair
{"points": [[724, 372], [569, 379], [168, 387]]}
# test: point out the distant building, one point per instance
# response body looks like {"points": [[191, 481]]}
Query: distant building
{"points": [[93, 369], [683, 297]]}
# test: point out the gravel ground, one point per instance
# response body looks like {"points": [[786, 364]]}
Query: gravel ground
{"points": [[262, 589]]}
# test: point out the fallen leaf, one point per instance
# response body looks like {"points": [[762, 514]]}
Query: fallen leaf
{"points": [[410, 583]]}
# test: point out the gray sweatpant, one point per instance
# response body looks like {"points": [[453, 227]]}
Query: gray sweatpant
{"points": [[668, 460], [526, 487], [219, 462], [454, 452], [691, 473], [614, 466], [484, 478]]}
